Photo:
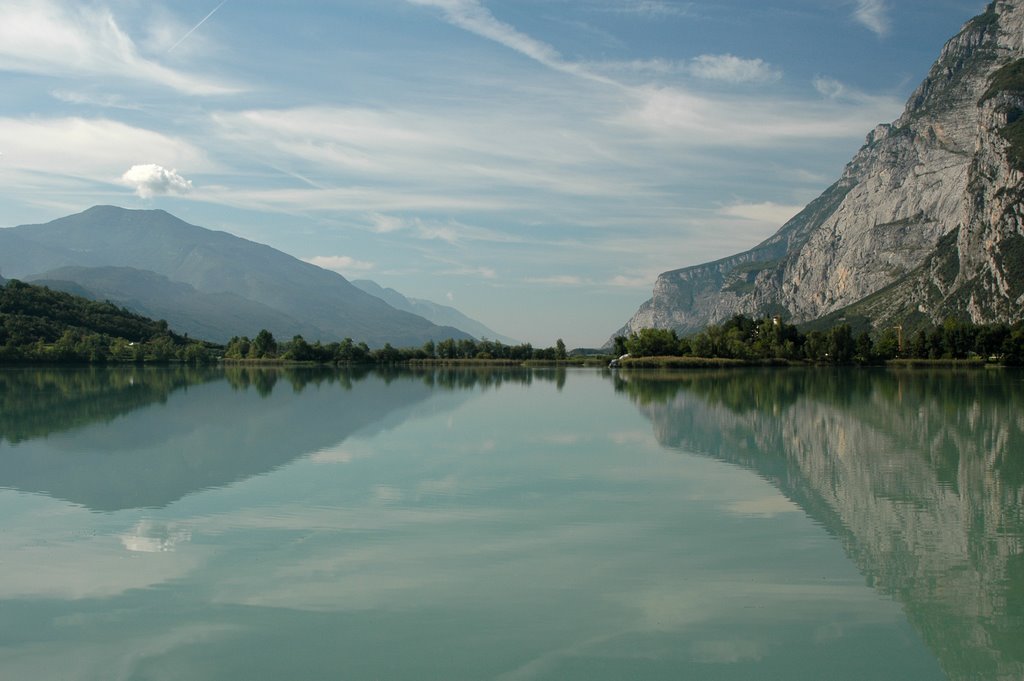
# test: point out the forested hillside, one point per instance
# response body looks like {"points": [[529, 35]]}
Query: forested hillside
{"points": [[38, 324]]}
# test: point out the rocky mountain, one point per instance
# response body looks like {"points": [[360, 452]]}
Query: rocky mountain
{"points": [[925, 222], [244, 285], [442, 315]]}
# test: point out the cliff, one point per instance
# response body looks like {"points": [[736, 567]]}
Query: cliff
{"points": [[924, 223]]}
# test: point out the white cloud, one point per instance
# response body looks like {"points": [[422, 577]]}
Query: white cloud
{"points": [[656, 8], [874, 15], [481, 272], [150, 179], [732, 69], [829, 88], [385, 224], [720, 67], [768, 212], [705, 121], [342, 264], [90, 149], [106, 101], [475, 18], [56, 39], [625, 281], [557, 280]]}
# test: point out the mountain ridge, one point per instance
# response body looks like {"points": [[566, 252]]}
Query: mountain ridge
{"points": [[443, 315], [924, 222], [323, 303]]}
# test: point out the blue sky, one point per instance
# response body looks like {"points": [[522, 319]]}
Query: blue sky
{"points": [[535, 163]]}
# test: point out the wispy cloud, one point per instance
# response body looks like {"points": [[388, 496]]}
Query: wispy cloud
{"points": [[475, 18], [630, 281], [874, 15], [655, 9], [342, 264], [716, 67], [87, 99], [56, 39], [557, 280], [671, 109], [89, 148], [732, 69], [767, 211], [475, 272]]}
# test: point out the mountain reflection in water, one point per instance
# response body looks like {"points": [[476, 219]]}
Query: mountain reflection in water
{"points": [[920, 474], [108, 447]]}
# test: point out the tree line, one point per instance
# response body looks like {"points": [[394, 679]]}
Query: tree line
{"points": [[264, 346], [745, 338]]}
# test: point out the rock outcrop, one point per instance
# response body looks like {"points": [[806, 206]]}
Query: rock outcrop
{"points": [[925, 222]]}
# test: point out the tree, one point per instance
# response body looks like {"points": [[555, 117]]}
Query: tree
{"points": [[841, 345], [653, 343], [263, 346], [620, 345], [864, 348], [299, 350], [560, 349], [888, 345]]}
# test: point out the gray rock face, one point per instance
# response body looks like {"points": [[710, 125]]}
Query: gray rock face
{"points": [[924, 223]]}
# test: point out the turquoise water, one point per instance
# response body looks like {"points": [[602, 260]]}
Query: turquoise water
{"points": [[511, 524]]}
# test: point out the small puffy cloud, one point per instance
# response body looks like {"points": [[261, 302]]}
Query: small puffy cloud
{"points": [[341, 264], [769, 212], [150, 179], [874, 15], [732, 69]]}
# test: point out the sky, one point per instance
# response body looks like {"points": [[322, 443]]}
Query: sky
{"points": [[534, 163]]}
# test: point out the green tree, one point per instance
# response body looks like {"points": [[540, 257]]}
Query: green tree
{"points": [[864, 348], [299, 350], [263, 346]]}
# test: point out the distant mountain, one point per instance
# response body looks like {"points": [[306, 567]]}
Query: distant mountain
{"points": [[210, 316], [925, 222], [439, 314], [281, 293]]}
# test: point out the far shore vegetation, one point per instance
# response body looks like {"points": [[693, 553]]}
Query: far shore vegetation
{"points": [[42, 326]]}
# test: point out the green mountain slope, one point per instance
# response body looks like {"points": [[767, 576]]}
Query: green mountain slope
{"points": [[40, 325], [211, 316]]}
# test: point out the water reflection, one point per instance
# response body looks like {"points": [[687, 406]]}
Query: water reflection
{"points": [[95, 437], [919, 474]]}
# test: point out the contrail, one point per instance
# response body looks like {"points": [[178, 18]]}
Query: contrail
{"points": [[193, 30]]}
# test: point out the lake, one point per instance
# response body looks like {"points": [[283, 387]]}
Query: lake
{"points": [[243, 523]]}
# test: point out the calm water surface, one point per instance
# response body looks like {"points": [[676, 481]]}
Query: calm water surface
{"points": [[463, 525]]}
